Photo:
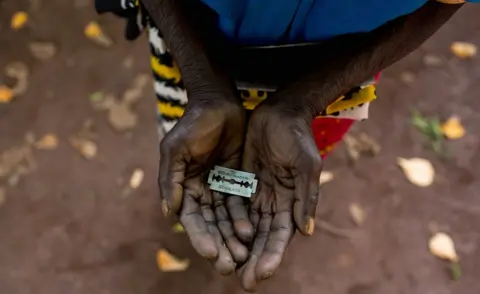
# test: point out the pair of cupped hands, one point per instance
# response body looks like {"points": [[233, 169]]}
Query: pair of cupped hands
{"points": [[274, 142]]}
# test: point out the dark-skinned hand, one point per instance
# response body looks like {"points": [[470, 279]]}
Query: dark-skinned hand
{"points": [[281, 151], [211, 132]]}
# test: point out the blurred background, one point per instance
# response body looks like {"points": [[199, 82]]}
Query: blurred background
{"points": [[79, 207]]}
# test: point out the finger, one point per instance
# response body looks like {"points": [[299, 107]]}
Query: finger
{"points": [[191, 218], [224, 263], [238, 212], [248, 269], [281, 232], [171, 175], [261, 203], [307, 186], [237, 249], [248, 278], [255, 219]]}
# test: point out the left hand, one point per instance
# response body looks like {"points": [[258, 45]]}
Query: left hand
{"points": [[210, 132], [281, 152]]}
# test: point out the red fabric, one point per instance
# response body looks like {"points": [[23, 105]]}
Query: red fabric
{"points": [[328, 132]]}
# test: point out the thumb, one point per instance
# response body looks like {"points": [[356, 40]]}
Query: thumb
{"points": [[307, 186], [171, 175]]}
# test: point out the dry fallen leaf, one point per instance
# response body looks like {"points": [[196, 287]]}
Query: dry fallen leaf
{"points": [[3, 195], [359, 145], [178, 228], [135, 91], [42, 50], [121, 117], [19, 19], [326, 177], [453, 128], [357, 213], [94, 32], [334, 230], [407, 77], [166, 262], [102, 102], [128, 62], [87, 148], [17, 161], [441, 245], [463, 50], [418, 171], [432, 60], [19, 71], [47, 142], [368, 144], [136, 178], [29, 138], [6, 94]]}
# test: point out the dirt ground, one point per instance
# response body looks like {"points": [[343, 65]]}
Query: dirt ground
{"points": [[67, 225]]}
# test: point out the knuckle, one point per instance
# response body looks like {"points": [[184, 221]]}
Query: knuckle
{"points": [[262, 234], [218, 203], [172, 140], [211, 223], [225, 228]]}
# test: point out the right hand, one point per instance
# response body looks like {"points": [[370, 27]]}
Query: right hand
{"points": [[210, 132], [280, 150]]}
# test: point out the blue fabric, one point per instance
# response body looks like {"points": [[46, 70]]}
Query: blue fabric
{"points": [[273, 21]]}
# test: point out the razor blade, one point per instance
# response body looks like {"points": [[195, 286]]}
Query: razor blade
{"points": [[233, 182]]}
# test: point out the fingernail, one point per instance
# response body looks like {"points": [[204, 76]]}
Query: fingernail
{"points": [[310, 227], [165, 209], [267, 275]]}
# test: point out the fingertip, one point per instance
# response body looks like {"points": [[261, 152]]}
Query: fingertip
{"points": [[205, 246], [249, 281], [225, 265], [299, 217], [165, 208], [310, 226], [244, 230], [240, 255], [265, 275], [266, 266], [305, 223], [238, 251], [306, 226], [172, 200]]}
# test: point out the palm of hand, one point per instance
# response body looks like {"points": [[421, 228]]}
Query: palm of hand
{"points": [[281, 151], [202, 138]]}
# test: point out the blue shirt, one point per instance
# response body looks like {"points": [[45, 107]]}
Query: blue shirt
{"points": [[271, 21]]}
